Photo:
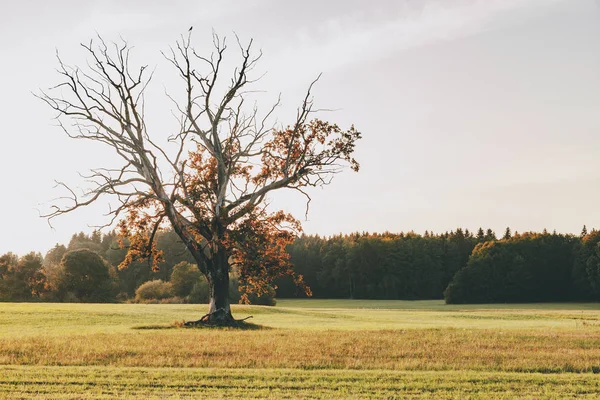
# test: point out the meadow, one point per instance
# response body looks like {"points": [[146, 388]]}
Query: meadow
{"points": [[302, 349]]}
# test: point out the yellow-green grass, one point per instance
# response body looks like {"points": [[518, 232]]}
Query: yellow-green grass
{"points": [[321, 348], [181, 383], [413, 349], [47, 319]]}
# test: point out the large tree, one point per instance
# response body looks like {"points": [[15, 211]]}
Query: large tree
{"points": [[229, 158], [84, 276]]}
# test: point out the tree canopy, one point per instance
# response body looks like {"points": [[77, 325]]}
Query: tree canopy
{"points": [[212, 190]]}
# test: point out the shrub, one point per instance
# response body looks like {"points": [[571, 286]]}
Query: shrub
{"points": [[153, 290], [200, 293], [265, 299], [70, 297], [122, 297], [85, 276], [183, 278]]}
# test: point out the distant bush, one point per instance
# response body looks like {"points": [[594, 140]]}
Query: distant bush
{"points": [[265, 299], [200, 293], [84, 276], [153, 291], [70, 297], [122, 297], [184, 277]]}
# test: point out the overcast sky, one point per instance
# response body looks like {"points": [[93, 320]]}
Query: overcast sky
{"points": [[474, 113]]}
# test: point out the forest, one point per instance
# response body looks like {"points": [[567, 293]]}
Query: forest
{"points": [[459, 266]]}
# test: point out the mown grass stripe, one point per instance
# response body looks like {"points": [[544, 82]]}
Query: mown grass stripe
{"points": [[101, 382]]}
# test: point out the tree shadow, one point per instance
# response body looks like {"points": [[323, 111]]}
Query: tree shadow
{"points": [[153, 327], [234, 326]]}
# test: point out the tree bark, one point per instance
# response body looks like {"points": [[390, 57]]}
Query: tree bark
{"points": [[219, 293], [218, 282]]}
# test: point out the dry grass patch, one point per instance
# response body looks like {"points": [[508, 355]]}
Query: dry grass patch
{"points": [[410, 349]]}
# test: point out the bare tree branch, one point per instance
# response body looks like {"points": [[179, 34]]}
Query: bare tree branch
{"points": [[228, 156]]}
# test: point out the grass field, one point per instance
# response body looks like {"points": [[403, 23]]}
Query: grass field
{"points": [[303, 349]]}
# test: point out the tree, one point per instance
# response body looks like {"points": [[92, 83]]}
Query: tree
{"points": [[8, 262], [85, 277], [531, 269], [21, 279], [82, 241], [507, 234], [490, 235], [480, 235], [585, 278], [54, 255], [229, 158]]}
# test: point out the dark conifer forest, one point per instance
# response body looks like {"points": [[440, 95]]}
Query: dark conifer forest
{"points": [[459, 266]]}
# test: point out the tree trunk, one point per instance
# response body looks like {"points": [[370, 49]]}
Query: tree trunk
{"points": [[218, 282], [219, 293]]}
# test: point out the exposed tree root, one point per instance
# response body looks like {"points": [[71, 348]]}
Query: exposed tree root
{"points": [[218, 318]]}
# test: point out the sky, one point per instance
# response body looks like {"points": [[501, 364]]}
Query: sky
{"points": [[473, 112]]}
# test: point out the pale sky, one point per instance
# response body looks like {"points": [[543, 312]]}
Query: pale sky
{"points": [[473, 112]]}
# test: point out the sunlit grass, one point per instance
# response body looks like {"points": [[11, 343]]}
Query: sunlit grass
{"points": [[161, 383], [23, 319], [410, 349], [306, 348]]}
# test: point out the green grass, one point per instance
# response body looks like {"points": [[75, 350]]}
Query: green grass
{"points": [[48, 319], [305, 349], [160, 383]]}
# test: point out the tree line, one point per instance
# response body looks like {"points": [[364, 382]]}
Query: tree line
{"points": [[381, 265], [459, 266], [86, 270]]}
